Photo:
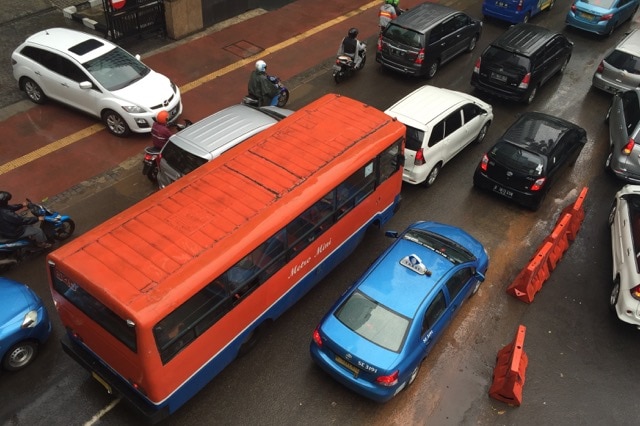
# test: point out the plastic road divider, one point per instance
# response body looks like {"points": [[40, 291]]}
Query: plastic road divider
{"points": [[509, 373]]}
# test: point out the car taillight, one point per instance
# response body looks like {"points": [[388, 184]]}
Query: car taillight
{"points": [[600, 67], [420, 57], [635, 292], [419, 160], [573, 7], [537, 185], [484, 163], [519, 7], [626, 150], [525, 81], [317, 338], [390, 380], [476, 67], [606, 17]]}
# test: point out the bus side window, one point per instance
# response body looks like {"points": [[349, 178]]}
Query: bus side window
{"points": [[389, 161]]}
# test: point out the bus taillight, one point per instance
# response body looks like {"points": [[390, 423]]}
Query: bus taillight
{"points": [[317, 338]]}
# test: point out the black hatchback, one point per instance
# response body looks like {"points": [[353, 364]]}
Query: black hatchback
{"points": [[528, 158], [518, 62]]}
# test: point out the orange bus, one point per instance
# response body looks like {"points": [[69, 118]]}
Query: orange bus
{"points": [[160, 298]]}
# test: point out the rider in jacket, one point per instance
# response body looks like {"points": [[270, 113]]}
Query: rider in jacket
{"points": [[15, 227], [160, 132], [352, 47]]}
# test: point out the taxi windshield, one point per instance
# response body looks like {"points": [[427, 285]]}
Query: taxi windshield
{"points": [[446, 248]]}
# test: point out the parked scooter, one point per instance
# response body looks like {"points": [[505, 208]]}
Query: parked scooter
{"points": [[345, 66], [56, 227], [151, 159], [283, 94]]}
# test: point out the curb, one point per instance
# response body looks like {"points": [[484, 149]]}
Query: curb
{"points": [[73, 12]]}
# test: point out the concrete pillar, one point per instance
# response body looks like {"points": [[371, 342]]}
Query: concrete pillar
{"points": [[183, 17]]}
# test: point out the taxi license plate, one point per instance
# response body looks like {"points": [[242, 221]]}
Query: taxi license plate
{"points": [[502, 191], [499, 77], [355, 370], [103, 382], [587, 16]]}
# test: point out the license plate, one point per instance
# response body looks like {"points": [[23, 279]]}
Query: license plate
{"points": [[587, 16], [103, 382], [501, 4], [355, 370], [499, 77], [502, 191], [396, 52]]}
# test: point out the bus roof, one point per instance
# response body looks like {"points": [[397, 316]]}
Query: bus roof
{"points": [[161, 244]]}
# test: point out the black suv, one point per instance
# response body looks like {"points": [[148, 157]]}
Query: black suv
{"points": [[527, 159], [425, 37], [518, 62]]}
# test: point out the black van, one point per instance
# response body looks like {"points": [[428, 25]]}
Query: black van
{"points": [[425, 37], [518, 62]]}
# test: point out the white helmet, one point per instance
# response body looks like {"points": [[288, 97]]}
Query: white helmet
{"points": [[261, 65]]}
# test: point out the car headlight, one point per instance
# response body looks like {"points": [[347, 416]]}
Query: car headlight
{"points": [[30, 319], [133, 109]]}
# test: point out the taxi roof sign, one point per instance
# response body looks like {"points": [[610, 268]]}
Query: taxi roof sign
{"points": [[414, 263]]}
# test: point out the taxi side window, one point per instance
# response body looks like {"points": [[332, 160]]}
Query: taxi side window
{"points": [[434, 312], [456, 283]]}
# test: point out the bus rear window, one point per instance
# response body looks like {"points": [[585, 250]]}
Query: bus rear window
{"points": [[94, 309]]}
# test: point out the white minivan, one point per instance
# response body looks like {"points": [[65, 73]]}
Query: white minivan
{"points": [[440, 123]]}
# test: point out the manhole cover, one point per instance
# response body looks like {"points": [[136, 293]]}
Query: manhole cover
{"points": [[243, 48]]}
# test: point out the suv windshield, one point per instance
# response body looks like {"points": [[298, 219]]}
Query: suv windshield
{"points": [[517, 158], [624, 61], [373, 321], [506, 60], [116, 69], [403, 36], [181, 160]]}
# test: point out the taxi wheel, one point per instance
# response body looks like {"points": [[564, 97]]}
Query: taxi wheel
{"points": [[115, 123], [20, 355], [413, 376]]}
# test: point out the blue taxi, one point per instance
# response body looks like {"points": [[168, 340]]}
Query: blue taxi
{"points": [[375, 337]]}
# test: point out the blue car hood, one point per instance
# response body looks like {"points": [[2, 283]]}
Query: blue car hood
{"points": [[15, 301]]}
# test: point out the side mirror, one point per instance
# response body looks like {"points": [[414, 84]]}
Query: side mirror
{"points": [[86, 85], [391, 234], [479, 276]]}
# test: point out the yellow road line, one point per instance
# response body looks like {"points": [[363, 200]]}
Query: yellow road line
{"points": [[75, 137]]}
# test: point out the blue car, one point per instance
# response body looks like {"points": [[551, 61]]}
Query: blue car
{"points": [[24, 324], [515, 11], [377, 334], [600, 16]]}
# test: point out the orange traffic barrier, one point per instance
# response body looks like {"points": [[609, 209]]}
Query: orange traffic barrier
{"points": [[509, 373], [529, 281]]}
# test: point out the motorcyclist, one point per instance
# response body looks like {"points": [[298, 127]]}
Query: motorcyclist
{"points": [[160, 131], [15, 227], [352, 47], [260, 86], [387, 13]]}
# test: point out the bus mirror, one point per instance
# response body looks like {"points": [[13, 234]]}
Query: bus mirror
{"points": [[131, 323], [391, 234]]}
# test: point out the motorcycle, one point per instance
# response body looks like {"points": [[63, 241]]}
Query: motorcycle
{"points": [[151, 158], [345, 66], [56, 227], [283, 94]]}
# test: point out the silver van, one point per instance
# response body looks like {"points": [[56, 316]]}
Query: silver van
{"points": [[208, 138]]}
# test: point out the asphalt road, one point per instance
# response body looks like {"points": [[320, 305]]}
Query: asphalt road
{"points": [[581, 359]]}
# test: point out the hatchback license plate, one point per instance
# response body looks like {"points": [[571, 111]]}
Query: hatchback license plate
{"points": [[587, 16], [355, 370], [502, 191], [499, 77], [501, 4]]}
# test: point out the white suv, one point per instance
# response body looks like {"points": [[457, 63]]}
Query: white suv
{"points": [[624, 221], [95, 76], [440, 123]]}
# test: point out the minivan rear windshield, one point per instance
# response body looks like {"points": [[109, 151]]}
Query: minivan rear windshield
{"points": [[506, 60], [624, 61], [181, 160], [414, 138], [404, 36], [517, 158]]}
